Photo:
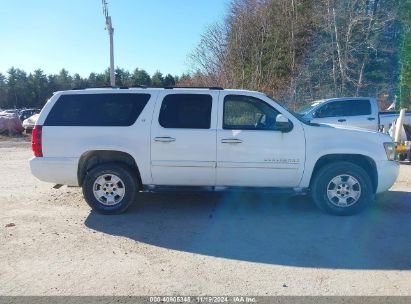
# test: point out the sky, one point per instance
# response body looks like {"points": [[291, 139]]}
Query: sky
{"points": [[155, 35]]}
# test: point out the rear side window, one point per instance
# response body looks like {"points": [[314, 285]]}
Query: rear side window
{"points": [[186, 111], [97, 110], [360, 107]]}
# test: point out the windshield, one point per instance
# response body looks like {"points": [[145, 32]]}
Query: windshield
{"points": [[296, 115], [308, 107]]}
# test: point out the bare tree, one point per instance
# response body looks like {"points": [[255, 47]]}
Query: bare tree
{"points": [[300, 49]]}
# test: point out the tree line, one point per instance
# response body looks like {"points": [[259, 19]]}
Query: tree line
{"points": [[293, 50], [301, 50], [19, 89]]}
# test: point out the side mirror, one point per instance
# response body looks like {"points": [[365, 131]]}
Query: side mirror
{"points": [[282, 123]]}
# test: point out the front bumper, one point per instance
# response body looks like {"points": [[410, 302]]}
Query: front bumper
{"points": [[28, 126], [57, 170], [387, 174]]}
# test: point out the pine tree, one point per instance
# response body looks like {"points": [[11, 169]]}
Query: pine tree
{"points": [[405, 61]]}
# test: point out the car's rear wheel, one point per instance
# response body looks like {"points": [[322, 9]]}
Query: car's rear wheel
{"points": [[342, 188], [110, 188]]}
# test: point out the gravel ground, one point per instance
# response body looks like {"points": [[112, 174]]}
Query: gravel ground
{"points": [[196, 244]]}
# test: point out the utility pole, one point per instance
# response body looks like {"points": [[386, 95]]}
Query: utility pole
{"points": [[110, 30]]}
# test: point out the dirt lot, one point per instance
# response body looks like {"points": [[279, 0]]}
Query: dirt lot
{"points": [[191, 244]]}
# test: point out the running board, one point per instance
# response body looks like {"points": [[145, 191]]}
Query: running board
{"points": [[273, 190]]}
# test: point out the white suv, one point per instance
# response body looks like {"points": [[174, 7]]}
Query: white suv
{"points": [[117, 142]]}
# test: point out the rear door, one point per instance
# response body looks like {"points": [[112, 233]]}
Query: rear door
{"points": [[360, 114], [183, 138]]}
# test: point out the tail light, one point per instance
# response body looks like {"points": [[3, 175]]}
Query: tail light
{"points": [[36, 141]]}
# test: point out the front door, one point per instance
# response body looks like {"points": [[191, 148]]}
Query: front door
{"points": [[183, 138], [251, 151]]}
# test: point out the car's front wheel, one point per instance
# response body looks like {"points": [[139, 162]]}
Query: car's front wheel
{"points": [[110, 188], [342, 188]]}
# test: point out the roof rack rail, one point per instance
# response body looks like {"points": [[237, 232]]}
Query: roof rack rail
{"points": [[175, 87], [210, 88], [149, 87], [99, 87]]}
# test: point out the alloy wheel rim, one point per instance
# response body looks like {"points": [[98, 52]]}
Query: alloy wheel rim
{"points": [[343, 190], [109, 189]]}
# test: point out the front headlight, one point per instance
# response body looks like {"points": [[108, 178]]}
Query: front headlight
{"points": [[390, 150]]}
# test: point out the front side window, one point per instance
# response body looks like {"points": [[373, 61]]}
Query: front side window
{"points": [[186, 111], [332, 109], [97, 110], [248, 113]]}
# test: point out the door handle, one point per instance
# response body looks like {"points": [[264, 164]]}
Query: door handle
{"points": [[371, 118], [342, 120], [164, 139], [231, 141]]}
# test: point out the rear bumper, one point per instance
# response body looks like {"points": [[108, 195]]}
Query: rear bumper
{"points": [[387, 174], [57, 170]]}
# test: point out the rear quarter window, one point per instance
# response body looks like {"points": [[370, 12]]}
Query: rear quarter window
{"points": [[97, 110]]}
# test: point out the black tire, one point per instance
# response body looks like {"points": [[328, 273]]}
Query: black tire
{"points": [[323, 180], [402, 156], [128, 180]]}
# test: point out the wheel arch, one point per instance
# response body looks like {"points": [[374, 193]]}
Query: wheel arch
{"points": [[91, 159], [365, 162]]}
